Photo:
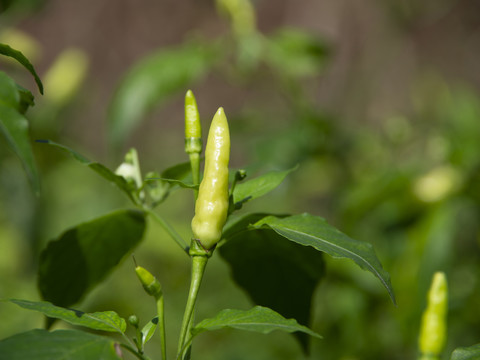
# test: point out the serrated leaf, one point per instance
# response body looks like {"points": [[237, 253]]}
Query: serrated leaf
{"points": [[314, 231], [58, 345], [105, 321], [260, 185], [259, 319], [151, 81], [149, 329], [275, 272], [102, 170], [81, 257], [466, 353], [17, 55]]}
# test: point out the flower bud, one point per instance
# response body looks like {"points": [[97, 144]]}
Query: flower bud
{"points": [[149, 282]]}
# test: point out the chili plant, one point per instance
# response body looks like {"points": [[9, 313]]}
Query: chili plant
{"points": [[255, 245]]}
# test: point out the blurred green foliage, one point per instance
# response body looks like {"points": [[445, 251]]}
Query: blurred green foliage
{"points": [[409, 184]]}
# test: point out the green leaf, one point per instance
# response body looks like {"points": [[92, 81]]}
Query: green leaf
{"points": [[175, 182], [9, 94], [102, 170], [26, 99], [149, 329], [259, 186], [151, 81], [466, 353], [17, 55], [296, 53], [58, 345], [105, 321], [14, 95], [236, 225], [158, 186], [314, 231], [14, 126], [259, 319], [274, 272], [178, 172], [81, 257]]}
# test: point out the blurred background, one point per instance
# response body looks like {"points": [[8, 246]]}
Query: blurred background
{"points": [[378, 101]]}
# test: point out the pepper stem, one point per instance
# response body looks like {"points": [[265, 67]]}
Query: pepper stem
{"points": [[195, 164], [161, 325], [199, 263]]}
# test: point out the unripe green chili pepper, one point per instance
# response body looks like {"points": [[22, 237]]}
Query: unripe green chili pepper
{"points": [[433, 331], [193, 128], [149, 282], [211, 207], [193, 136]]}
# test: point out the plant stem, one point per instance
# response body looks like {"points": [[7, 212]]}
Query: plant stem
{"points": [[169, 229], [161, 325], [199, 262], [187, 348], [136, 353], [195, 164]]}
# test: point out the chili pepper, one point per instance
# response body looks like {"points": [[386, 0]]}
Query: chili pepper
{"points": [[211, 207], [193, 129], [193, 136], [149, 282], [242, 15], [434, 328]]}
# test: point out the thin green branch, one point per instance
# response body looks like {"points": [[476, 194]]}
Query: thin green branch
{"points": [[199, 262], [169, 229], [185, 347], [134, 352], [195, 164], [161, 325]]}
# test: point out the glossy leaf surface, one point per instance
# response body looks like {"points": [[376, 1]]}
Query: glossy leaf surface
{"points": [[105, 321], [260, 185], [149, 329], [314, 231], [58, 345], [275, 272], [237, 225], [81, 257], [259, 319]]}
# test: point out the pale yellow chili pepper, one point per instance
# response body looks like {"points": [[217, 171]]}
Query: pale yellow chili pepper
{"points": [[211, 207], [433, 331]]}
